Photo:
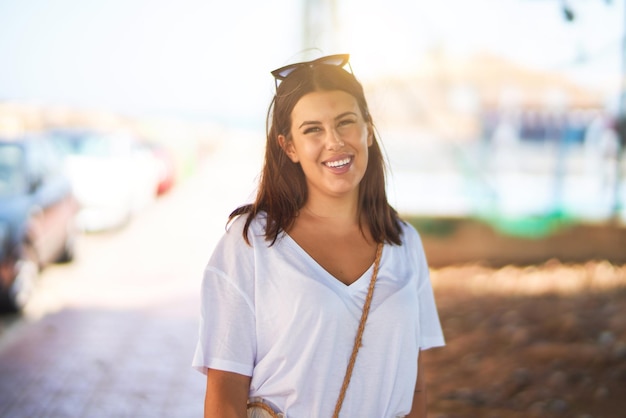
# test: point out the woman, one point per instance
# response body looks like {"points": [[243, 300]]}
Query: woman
{"points": [[284, 292]]}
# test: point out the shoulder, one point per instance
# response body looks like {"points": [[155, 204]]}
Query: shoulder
{"points": [[235, 259], [236, 226], [412, 247], [410, 237], [232, 244]]}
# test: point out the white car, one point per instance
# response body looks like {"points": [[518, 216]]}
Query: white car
{"points": [[112, 175]]}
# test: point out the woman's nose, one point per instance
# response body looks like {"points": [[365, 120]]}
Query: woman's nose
{"points": [[334, 140]]}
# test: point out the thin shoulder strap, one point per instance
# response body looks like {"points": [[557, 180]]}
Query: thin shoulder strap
{"points": [[359, 334]]}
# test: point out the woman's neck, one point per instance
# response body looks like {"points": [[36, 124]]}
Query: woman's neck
{"points": [[333, 210]]}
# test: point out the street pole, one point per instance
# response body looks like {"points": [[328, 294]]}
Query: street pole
{"points": [[320, 25], [621, 125]]}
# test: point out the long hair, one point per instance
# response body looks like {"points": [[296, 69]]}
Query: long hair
{"points": [[282, 188]]}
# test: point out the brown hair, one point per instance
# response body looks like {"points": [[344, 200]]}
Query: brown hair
{"points": [[282, 188]]}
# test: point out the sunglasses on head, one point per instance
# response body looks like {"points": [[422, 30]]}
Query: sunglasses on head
{"points": [[337, 60]]}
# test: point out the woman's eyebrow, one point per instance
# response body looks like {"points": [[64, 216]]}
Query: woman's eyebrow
{"points": [[313, 122], [346, 114], [309, 122]]}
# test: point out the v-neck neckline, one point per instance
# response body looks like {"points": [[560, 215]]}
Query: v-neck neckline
{"points": [[362, 282]]}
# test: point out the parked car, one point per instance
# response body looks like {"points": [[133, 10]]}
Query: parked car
{"points": [[37, 216], [112, 175], [166, 165]]}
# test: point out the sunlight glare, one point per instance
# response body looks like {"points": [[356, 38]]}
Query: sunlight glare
{"points": [[380, 40]]}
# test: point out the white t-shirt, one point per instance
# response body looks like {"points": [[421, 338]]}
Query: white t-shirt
{"points": [[275, 314]]}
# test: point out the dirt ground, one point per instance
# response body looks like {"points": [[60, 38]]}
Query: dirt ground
{"points": [[542, 341]]}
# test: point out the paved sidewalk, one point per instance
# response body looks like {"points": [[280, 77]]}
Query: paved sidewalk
{"points": [[102, 363]]}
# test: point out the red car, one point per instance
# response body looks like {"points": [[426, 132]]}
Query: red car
{"points": [[167, 167]]}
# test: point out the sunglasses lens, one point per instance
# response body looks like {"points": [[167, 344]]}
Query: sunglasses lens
{"points": [[334, 60], [282, 73]]}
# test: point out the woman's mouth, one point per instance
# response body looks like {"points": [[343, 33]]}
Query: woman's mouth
{"points": [[338, 163]]}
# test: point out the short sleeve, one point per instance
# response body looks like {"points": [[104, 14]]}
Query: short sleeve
{"points": [[227, 337], [430, 325]]}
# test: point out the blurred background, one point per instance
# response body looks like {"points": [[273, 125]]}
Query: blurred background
{"points": [[503, 112], [130, 129]]}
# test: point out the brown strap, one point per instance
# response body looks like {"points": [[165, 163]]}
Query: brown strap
{"points": [[265, 409], [359, 334]]}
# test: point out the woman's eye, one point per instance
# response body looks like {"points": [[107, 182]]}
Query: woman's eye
{"points": [[346, 122], [311, 130]]}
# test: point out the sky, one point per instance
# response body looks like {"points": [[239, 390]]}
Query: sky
{"points": [[212, 59]]}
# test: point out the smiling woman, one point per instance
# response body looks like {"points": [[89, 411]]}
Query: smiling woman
{"points": [[319, 272]]}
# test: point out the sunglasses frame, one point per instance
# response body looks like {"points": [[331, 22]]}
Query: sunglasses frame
{"points": [[284, 72]]}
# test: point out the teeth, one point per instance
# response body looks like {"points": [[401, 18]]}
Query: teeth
{"points": [[338, 163]]}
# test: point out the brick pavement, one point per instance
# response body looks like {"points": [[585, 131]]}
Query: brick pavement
{"points": [[85, 362]]}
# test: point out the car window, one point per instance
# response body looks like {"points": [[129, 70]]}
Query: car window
{"points": [[93, 144], [12, 169], [51, 165]]}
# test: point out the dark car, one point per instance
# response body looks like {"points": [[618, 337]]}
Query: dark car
{"points": [[37, 216]]}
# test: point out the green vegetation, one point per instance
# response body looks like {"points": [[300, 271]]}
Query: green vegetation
{"points": [[529, 227]]}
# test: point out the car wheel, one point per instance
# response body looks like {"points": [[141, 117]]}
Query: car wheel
{"points": [[20, 291], [69, 246]]}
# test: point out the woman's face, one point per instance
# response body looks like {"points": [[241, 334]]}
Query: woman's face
{"points": [[330, 140]]}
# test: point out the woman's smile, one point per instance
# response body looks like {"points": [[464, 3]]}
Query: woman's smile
{"points": [[339, 165]]}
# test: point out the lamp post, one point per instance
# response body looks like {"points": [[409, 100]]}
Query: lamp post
{"points": [[620, 127], [620, 123]]}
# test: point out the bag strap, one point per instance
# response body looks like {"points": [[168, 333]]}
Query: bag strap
{"points": [[359, 334]]}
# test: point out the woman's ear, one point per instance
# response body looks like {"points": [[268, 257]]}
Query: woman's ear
{"points": [[370, 134], [288, 148]]}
